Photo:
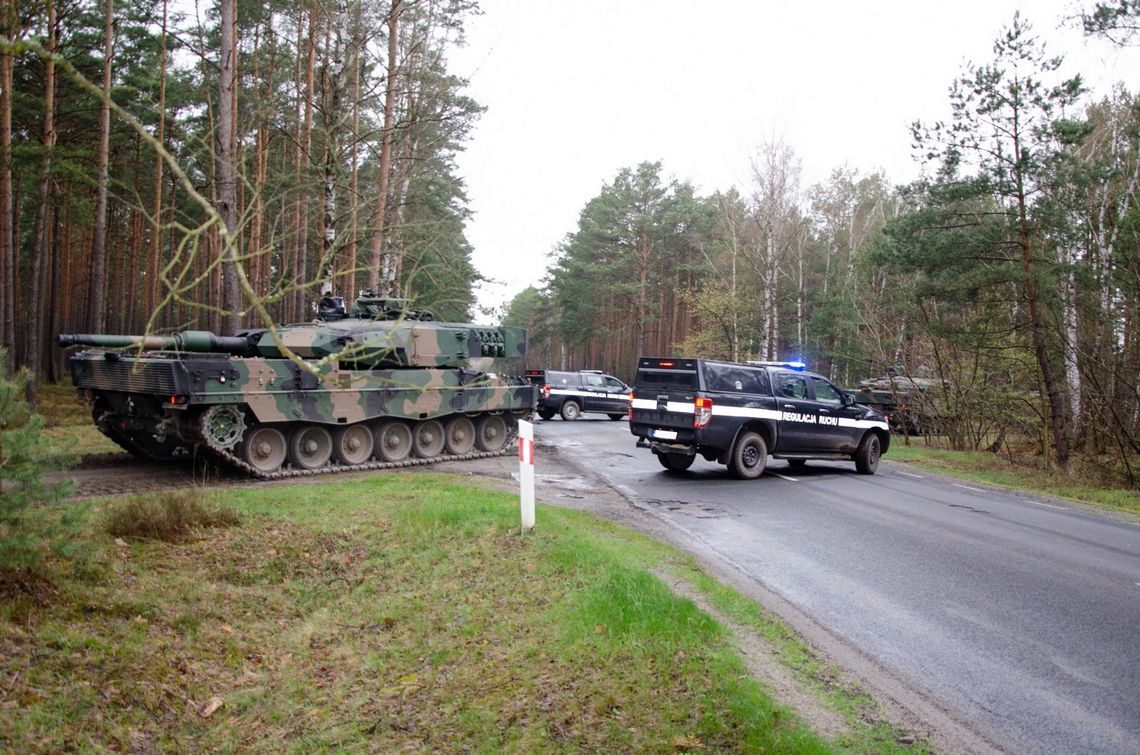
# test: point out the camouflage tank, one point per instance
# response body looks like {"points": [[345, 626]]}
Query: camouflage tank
{"points": [[379, 387]]}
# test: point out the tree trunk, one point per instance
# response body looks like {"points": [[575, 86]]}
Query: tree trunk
{"points": [[299, 308], [97, 283], [348, 282], [381, 267], [1057, 414], [41, 247], [7, 212], [152, 259], [227, 171]]}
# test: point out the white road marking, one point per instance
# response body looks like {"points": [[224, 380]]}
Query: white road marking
{"points": [[967, 487], [1048, 505], [785, 477], [915, 476]]}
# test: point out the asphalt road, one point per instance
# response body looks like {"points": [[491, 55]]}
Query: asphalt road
{"points": [[1019, 614]]}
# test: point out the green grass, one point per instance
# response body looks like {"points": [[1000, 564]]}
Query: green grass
{"points": [[60, 406], [1026, 474], [68, 427], [398, 612]]}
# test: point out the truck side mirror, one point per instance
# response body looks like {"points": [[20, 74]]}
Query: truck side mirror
{"points": [[848, 399]]}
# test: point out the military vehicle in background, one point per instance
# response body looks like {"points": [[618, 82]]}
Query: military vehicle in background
{"points": [[912, 403], [381, 386]]}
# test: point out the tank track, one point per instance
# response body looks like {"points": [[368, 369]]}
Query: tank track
{"points": [[282, 473]]}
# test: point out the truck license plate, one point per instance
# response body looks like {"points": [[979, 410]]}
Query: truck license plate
{"points": [[665, 434]]}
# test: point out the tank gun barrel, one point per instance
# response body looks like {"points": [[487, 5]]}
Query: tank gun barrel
{"points": [[188, 340]]}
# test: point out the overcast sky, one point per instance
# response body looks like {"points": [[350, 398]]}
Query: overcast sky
{"points": [[578, 89]]}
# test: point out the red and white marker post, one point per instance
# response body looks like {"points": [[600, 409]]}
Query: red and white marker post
{"points": [[526, 474]]}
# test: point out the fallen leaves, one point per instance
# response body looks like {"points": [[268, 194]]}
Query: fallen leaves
{"points": [[212, 707]]}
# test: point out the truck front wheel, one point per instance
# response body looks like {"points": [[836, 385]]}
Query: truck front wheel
{"points": [[570, 411], [867, 457], [749, 456]]}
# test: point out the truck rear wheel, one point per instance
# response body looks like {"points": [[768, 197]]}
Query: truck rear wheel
{"points": [[571, 411], [749, 456], [676, 462], [547, 413]]}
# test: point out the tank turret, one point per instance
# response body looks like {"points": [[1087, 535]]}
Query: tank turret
{"points": [[387, 385]]}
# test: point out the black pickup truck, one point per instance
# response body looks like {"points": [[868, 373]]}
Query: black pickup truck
{"points": [[739, 414], [569, 394]]}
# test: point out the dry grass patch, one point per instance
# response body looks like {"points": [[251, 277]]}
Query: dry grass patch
{"points": [[169, 516]]}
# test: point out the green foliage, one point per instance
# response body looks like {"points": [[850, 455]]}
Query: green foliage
{"points": [[620, 278], [26, 537], [1118, 21]]}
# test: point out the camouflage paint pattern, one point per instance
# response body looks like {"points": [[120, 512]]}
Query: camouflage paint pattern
{"points": [[154, 389]]}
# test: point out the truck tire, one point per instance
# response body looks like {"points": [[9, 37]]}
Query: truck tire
{"points": [[570, 411], [749, 456], [867, 457], [676, 462], [547, 413]]}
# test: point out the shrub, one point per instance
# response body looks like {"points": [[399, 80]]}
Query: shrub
{"points": [[25, 536]]}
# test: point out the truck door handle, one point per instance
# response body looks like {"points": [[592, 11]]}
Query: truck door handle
{"points": [[789, 406]]}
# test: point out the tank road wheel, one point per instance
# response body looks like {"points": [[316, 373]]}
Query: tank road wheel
{"points": [[223, 425], [571, 411], [264, 448], [867, 457], [428, 438], [393, 441], [492, 432], [749, 456], [352, 445], [310, 447], [459, 435], [676, 462]]}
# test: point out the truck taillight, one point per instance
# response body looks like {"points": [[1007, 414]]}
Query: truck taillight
{"points": [[703, 412], [545, 392], [630, 415]]}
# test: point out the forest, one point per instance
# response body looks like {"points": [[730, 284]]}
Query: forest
{"points": [[1006, 282], [166, 166]]}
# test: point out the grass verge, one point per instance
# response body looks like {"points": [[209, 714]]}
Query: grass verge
{"points": [[982, 466], [391, 613]]}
